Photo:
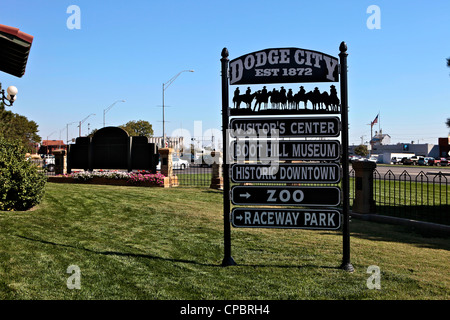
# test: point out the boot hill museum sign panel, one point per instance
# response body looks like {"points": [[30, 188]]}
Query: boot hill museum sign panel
{"points": [[296, 139]]}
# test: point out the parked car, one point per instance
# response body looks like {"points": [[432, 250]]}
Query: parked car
{"points": [[424, 161], [396, 160], [372, 159], [434, 162], [414, 160], [352, 159], [444, 162], [406, 161], [178, 163]]}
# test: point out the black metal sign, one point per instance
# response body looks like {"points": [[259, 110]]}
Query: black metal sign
{"points": [[286, 173], [258, 150], [285, 195], [285, 127], [283, 65], [317, 219]]}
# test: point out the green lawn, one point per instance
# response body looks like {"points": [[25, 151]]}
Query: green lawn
{"points": [[155, 243]]}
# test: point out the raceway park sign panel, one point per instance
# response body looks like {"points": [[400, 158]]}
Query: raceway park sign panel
{"points": [[318, 219], [284, 65]]}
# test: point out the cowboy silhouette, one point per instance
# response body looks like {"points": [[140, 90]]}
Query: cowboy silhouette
{"points": [[333, 91], [302, 90], [236, 99], [264, 90]]}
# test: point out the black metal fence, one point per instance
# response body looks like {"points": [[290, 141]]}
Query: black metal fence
{"points": [[40, 164], [422, 196], [194, 175]]}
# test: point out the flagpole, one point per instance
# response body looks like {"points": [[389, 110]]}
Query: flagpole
{"points": [[379, 122]]}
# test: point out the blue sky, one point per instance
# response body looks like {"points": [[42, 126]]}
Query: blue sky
{"points": [[128, 49]]}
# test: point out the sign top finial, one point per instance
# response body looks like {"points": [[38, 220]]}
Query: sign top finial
{"points": [[225, 53], [343, 47]]}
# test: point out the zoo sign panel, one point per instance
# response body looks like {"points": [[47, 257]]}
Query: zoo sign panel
{"points": [[284, 65]]}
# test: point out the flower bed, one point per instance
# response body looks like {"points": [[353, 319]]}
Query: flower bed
{"points": [[139, 178]]}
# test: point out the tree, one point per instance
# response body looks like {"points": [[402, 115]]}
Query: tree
{"points": [[138, 128], [361, 150], [15, 127], [90, 135]]}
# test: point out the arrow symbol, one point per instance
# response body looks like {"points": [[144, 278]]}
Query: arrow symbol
{"points": [[239, 217], [246, 195]]}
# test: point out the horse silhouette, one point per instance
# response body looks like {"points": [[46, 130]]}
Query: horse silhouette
{"points": [[278, 99], [247, 98], [261, 97], [315, 98], [333, 99], [300, 96]]}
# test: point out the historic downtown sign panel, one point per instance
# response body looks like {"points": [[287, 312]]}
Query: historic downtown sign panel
{"points": [[268, 150]]}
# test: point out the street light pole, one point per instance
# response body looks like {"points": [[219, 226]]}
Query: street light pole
{"points": [[11, 96], [67, 131], [164, 87], [107, 109], [82, 121]]}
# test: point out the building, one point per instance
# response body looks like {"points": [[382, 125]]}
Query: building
{"points": [[384, 153], [380, 139], [423, 149], [48, 146], [176, 143]]}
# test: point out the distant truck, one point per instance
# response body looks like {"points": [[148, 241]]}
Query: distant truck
{"points": [[415, 160], [395, 157], [49, 162]]}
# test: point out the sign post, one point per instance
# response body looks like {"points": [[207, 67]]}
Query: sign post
{"points": [[227, 259], [267, 149], [346, 264]]}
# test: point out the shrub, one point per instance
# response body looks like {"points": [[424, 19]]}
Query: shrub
{"points": [[21, 185]]}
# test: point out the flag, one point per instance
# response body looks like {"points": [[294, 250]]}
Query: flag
{"points": [[375, 120]]}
